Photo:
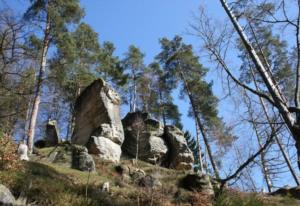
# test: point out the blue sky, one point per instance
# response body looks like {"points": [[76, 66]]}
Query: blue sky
{"points": [[143, 23]]}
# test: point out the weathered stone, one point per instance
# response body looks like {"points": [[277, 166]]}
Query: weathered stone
{"points": [[180, 156], [104, 148], [197, 182], [23, 151], [144, 133], [52, 134], [149, 181], [97, 114], [81, 160], [6, 198], [137, 174]]}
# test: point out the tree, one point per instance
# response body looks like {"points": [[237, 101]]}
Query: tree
{"points": [[133, 63], [54, 16], [74, 65], [277, 98], [264, 52], [16, 73], [178, 59]]}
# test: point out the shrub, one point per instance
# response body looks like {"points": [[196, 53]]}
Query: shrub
{"points": [[9, 159]]}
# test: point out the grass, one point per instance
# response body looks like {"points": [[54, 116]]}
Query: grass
{"points": [[234, 198], [45, 183]]}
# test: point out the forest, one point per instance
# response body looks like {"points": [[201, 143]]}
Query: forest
{"points": [[233, 92]]}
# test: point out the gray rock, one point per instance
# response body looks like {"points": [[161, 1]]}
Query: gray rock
{"points": [[52, 134], [149, 181], [197, 182], [180, 156], [97, 114], [6, 198], [140, 129], [137, 174], [81, 160], [104, 148]]}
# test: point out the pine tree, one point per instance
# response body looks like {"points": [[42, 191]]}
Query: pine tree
{"points": [[54, 16], [179, 60], [133, 64]]}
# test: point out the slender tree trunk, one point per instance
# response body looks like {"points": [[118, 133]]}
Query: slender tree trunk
{"points": [[201, 127], [37, 97], [199, 148], [297, 90], [249, 176], [163, 109], [280, 145], [265, 169]]}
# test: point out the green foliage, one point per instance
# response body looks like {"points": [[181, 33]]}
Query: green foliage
{"points": [[192, 143], [179, 60], [272, 49], [133, 65]]}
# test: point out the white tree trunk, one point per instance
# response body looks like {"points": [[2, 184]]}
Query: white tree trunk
{"points": [[37, 97]]}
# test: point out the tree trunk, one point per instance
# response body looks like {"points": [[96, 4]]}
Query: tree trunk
{"points": [[271, 85], [201, 127], [199, 148], [37, 97], [265, 170], [280, 145]]}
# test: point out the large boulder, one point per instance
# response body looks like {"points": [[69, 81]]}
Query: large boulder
{"points": [[81, 160], [97, 113], [197, 182], [6, 198], [105, 148], [52, 134], [180, 156], [143, 137]]}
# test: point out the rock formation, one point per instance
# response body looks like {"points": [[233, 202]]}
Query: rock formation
{"points": [[97, 121], [180, 157], [52, 134], [144, 133], [156, 144], [23, 151], [81, 160], [197, 182]]}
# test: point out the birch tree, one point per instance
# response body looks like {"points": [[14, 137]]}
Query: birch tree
{"points": [[53, 18]]}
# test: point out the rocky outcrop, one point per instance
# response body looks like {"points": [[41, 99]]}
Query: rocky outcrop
{"points": [[156, 144], [81, 160], [197, 182], [97, 115], [144, 138], [180, 156], [52, 134]]}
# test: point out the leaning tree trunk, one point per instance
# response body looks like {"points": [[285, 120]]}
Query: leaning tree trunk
{"points": [[265, 169], [278, 100], [199, 148], [201, 126], [37, 97], [279, 143]]}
